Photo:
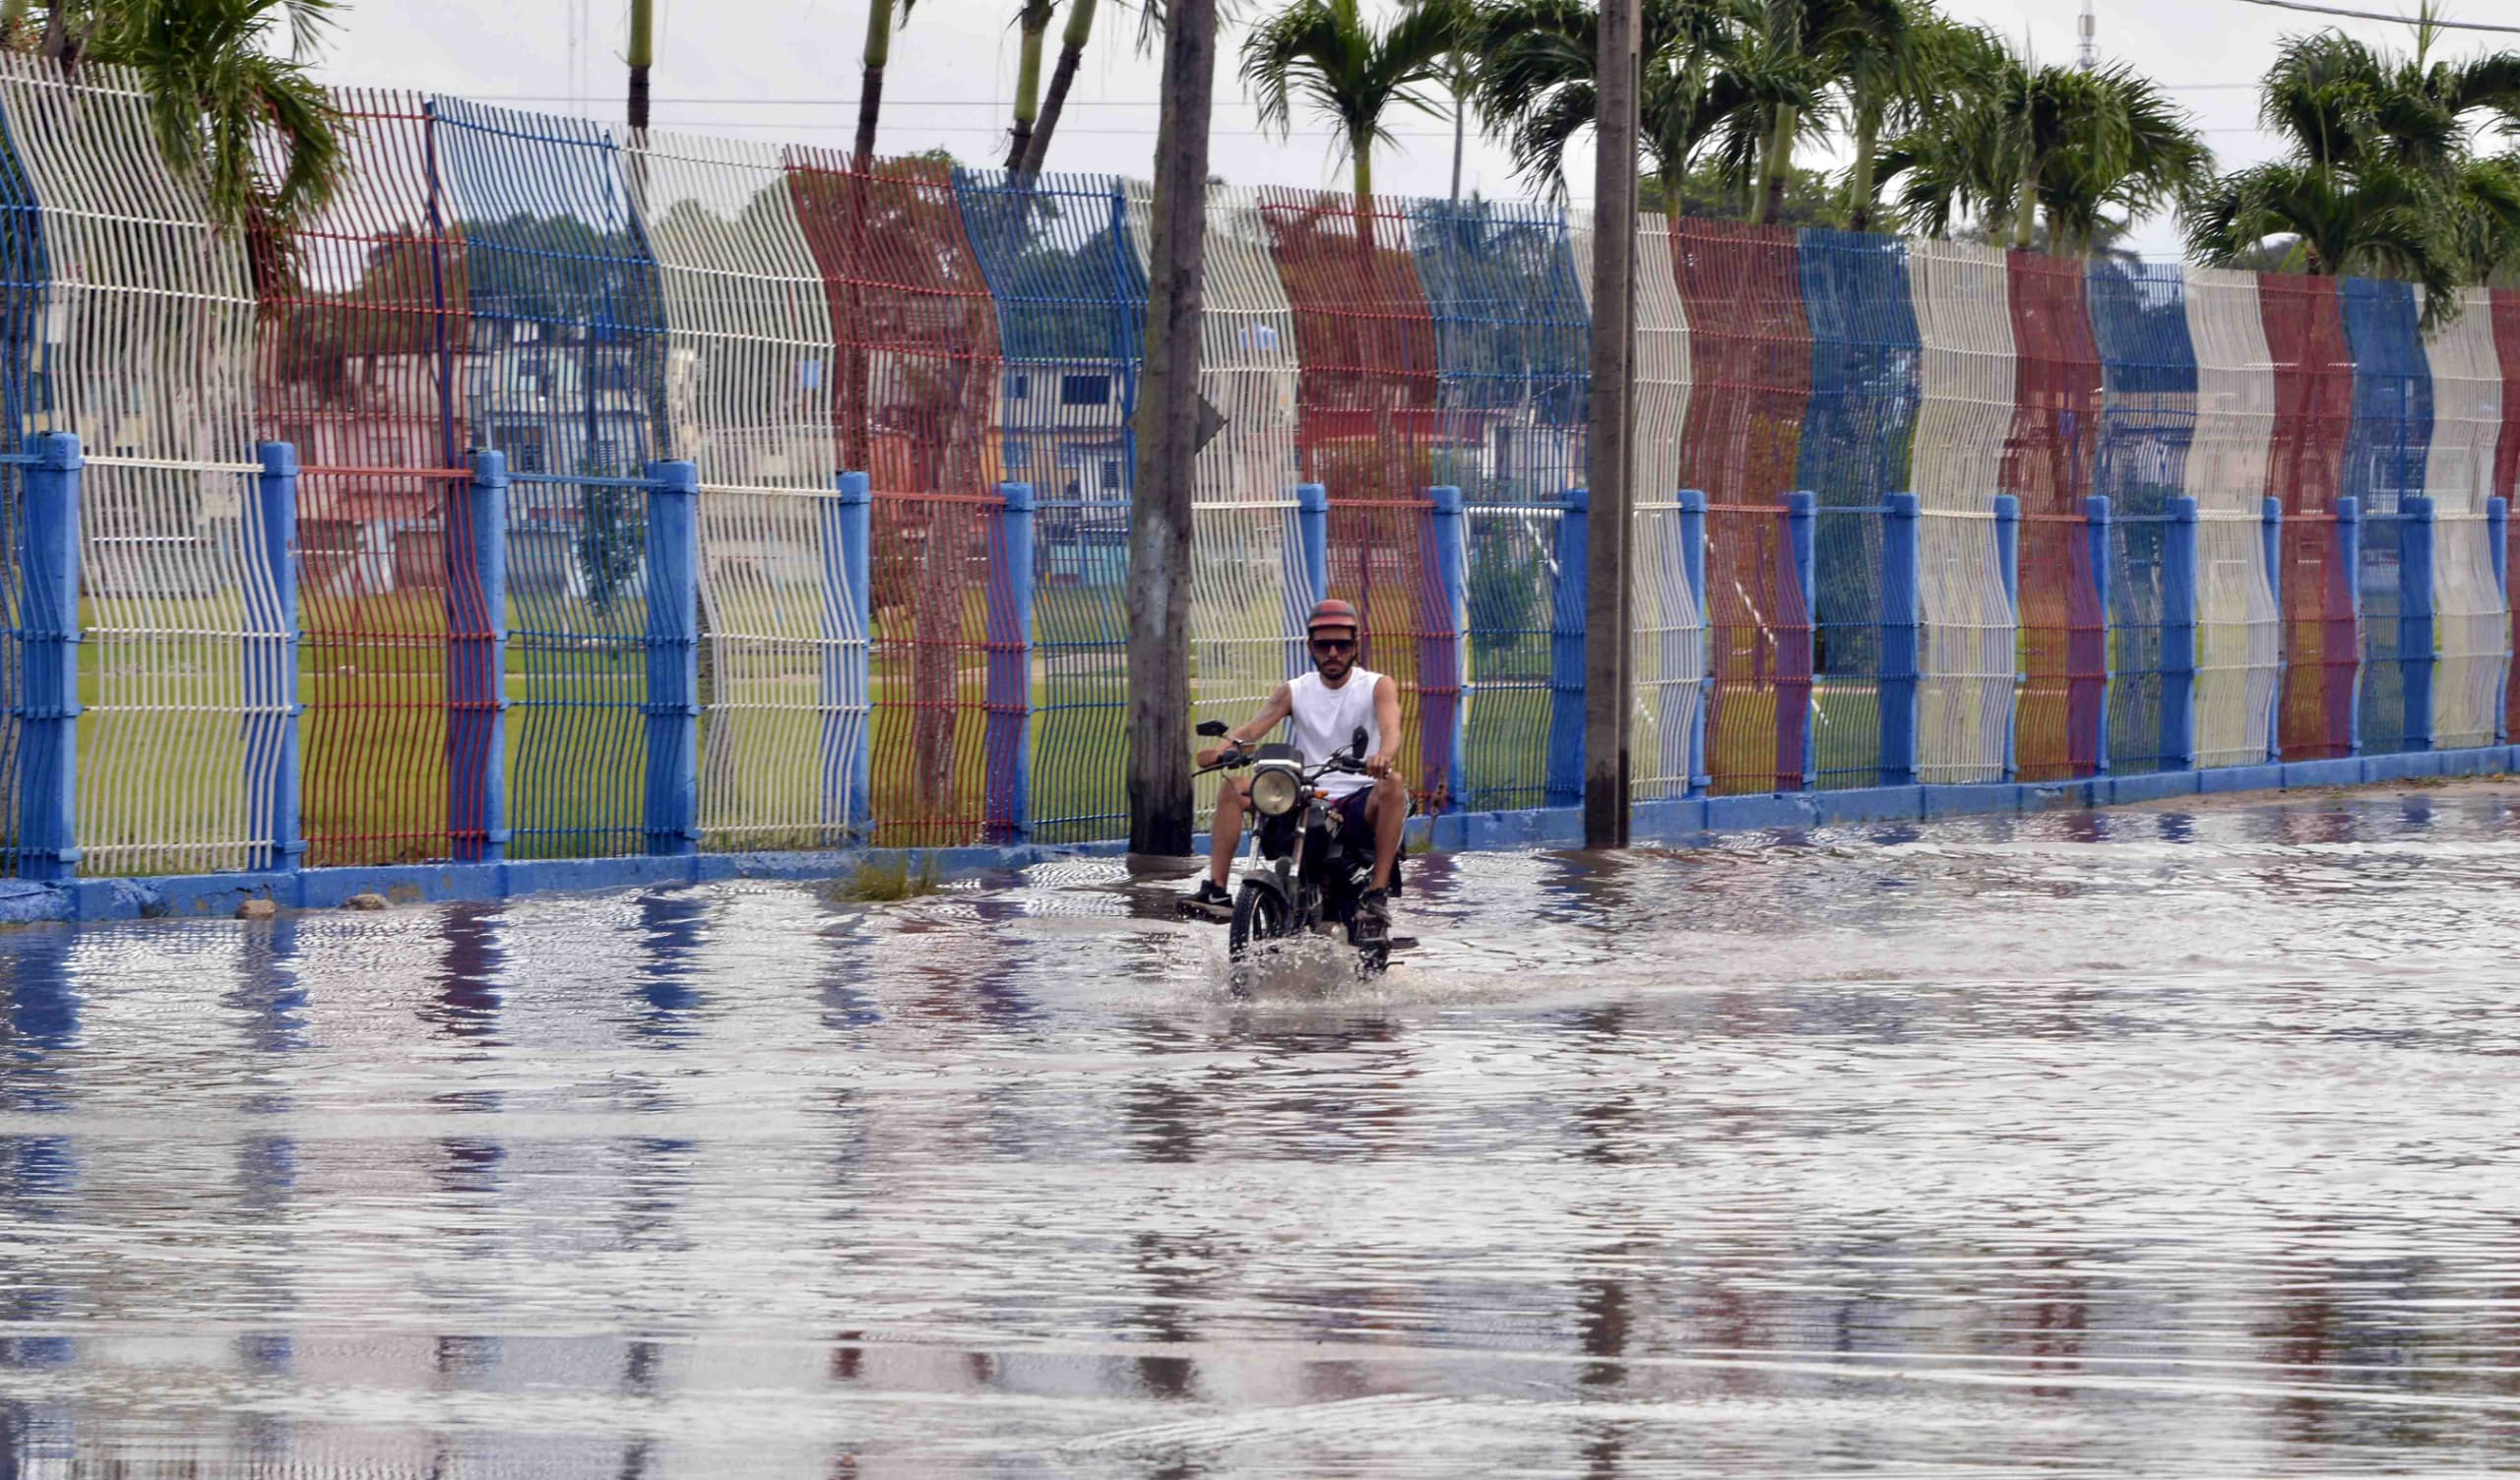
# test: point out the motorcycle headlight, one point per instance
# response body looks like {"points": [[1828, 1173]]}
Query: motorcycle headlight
{"points": [[1275, 792]]}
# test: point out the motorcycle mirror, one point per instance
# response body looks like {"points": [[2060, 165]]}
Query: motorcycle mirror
{"points": [[1213, 729], [1357, 743]]}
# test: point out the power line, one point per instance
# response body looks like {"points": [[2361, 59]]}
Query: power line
{"points": [[2373, 15]]}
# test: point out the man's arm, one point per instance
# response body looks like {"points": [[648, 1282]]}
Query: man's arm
{"points": [[1280, 706], [1387, 724]]}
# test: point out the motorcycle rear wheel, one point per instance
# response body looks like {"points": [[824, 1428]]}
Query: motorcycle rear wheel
{"points": [[1259, 914]]}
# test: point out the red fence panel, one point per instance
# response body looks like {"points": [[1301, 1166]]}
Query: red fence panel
{"points": [[2306, 467], [358, 365], [2506, 458], [2048, 465], [1749, 391], [1367, 427], [917, 389]]}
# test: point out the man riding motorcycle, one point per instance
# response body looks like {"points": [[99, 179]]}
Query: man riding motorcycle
{"points": [[1326, 706]]}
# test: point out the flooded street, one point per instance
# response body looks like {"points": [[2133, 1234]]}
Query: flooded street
{"points": [[2164, 1140]]}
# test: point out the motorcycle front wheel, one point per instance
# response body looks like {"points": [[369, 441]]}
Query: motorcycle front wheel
{"points": [[1259, 914]]}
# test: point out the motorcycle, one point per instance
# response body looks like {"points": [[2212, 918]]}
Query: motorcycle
{"points": [[1305, 873]]}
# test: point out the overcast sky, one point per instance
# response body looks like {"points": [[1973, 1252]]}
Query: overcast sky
{"points": [[788, 70]]}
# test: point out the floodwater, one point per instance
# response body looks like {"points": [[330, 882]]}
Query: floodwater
{"points": [[2175, 1141]]}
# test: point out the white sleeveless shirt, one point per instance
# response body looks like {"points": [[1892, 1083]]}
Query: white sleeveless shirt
{"points": [[1325, 720]]}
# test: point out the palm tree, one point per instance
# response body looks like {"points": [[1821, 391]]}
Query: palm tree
{"points": [[215, 84], [2035, 137], [1345, 65], [871, 82], [2380, 176], [1535, 86], [1080, 29], [642, 55], [1033, 25], [1895, 77]]}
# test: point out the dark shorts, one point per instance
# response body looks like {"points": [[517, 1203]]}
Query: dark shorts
{"points": [[1352, 811]]}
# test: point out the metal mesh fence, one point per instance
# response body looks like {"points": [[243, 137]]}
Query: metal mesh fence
{"points": [[1248, 587], [499, 279], [1965, 382], [358, 360], [2048, 464], [23, 269], [2468, 620], [748, 401], [2238, 624], [1510, 337], [1070, 290], [1669, 651], [2505, 309], [1369, 422], [2148, 421], [916, 397], [2385, 450], [2313, 375], [1749, 383], [567, 379], [1865, 353], [147, 354]]}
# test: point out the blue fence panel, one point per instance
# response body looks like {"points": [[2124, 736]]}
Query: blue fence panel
{"points": [[1071, 317], [1511, 336], [565, 375], [2385, 447], [2148, 422], [1867, 389]]}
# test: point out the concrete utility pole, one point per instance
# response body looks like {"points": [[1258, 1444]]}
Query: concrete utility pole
{"points": [[1168, 428], [642, 57], [1608, 464]]}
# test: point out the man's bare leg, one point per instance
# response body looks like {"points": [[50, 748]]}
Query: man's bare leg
{"points": [[1388, 811], [1225, 834]]}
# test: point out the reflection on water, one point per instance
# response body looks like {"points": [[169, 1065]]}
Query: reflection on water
{"points": [[2143, 1141]]}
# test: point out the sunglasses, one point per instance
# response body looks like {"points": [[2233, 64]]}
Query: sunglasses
{"points": [[1333, 646]]}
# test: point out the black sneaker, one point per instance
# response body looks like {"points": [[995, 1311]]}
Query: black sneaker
{"points": [[1374, 917], [1209, 901]]}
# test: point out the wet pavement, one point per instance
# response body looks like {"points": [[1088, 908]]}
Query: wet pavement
{"points": [[2164, 1142]]}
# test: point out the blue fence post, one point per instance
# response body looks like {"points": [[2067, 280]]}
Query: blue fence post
{"points": [[849, 714], [1452, 570], [1009, 695], [2349, 554], [477, 691], [673, 658], [1566, 651], [2498, 532], [2271, 538], [2180, 537], [2008, 567], [2095, 522], [1802, 532], [48, 662], [1693, 561], [271, 709], [1902, 621], [2416, 658], [1312, 545]]}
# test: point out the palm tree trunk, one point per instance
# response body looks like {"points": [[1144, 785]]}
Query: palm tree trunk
{"points": [[1867, 143], [1460, 131], [643, 56], [1035, 27], [1080, 29], [870, 87], [1780, 164], [1360, 165], [2025, 210]]}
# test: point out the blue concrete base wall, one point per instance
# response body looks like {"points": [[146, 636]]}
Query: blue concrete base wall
{"points": [[28, 902]]}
